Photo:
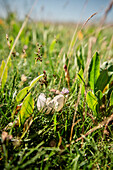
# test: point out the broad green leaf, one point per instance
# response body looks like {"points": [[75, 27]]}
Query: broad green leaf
{"points": [[94, 71], [103, 80], [24, 91], [109, 92], [22, 94], [111, 98], [99, 95], [26, 109], [110, 68], [34, 81], [80, 76], [91, 100], [3, 74]]}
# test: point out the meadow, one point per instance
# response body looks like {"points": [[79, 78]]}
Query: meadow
{"points": [[73, 63]]}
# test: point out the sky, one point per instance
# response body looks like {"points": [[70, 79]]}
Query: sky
{"points": [[57, 10]]}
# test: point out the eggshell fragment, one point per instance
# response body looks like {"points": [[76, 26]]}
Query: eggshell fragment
{"points": [[41, 102]]}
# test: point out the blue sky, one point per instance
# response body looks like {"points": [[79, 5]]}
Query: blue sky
{"points": [[57, 10]]}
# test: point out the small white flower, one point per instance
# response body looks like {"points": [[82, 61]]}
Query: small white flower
{"points": [[65, 91]]}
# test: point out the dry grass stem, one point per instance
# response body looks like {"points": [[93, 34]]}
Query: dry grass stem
{"points": [[76, 106], [88, 19], [92, 40], [106, 121], [75, 37], [106, 12]]}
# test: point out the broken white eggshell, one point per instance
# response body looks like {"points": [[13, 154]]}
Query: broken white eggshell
{"points": [[48, 100], [56, 104], [49, 107], [41, 102]]}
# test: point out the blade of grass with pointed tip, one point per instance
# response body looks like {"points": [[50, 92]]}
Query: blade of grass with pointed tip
{"points": [[3, 74], [51, 48]]}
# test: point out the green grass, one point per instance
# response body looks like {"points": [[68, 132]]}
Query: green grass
{"points": [[46, 144]]}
